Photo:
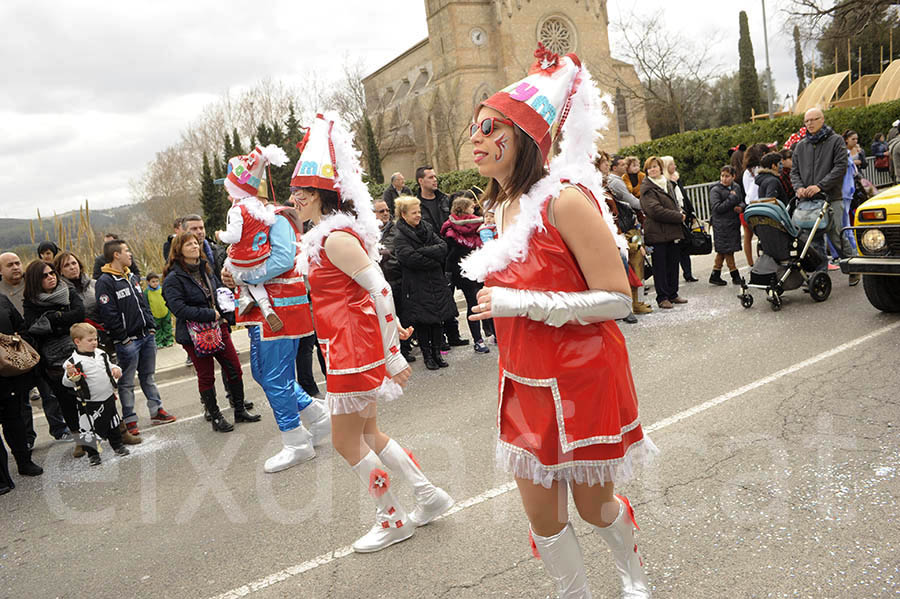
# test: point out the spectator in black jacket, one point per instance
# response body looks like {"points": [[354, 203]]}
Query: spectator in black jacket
{"points": [[16, 421], [768, 178], [393, 274], [100, 261], [47, 251], [395, 190], [176, 230], [687, 207], [126, 316], [726, 203]]}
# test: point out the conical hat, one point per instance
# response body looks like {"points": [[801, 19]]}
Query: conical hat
{"points": [[316, 165], [245, 173]]}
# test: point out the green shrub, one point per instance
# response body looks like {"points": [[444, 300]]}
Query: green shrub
{"points": [[460, 180], [700, 154]]}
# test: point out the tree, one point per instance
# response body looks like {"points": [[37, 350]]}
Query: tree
{"points": [[211, 199], [798, 62], [867, 42], [749, 80], [848, 16], [373, 158], [236, 143], [674, 71]]}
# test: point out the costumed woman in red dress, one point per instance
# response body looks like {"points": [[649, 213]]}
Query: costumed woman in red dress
{"points": [[358, 329], [554, 284]]}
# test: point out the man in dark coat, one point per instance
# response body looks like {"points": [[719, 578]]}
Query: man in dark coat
{"points": [[726, 202], [394, 191]]}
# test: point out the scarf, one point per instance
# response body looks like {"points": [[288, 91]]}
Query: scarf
{"points": [[57, 297], [819, 135], [419, 232], [463, 230], [198, 273], [661, 182], [633, 177]]}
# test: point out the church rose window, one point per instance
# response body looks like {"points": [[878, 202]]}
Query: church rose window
{"points": [[556, 36]]}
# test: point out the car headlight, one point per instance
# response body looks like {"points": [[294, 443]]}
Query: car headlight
{"points": [[873, 240]]}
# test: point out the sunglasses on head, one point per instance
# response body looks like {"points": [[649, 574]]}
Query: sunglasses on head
{"points": [[487, 125]]}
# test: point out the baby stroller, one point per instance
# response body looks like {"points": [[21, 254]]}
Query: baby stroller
{"points": [[788, 259]]}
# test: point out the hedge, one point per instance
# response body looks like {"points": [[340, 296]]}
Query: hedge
{"points": [[700, 154], [447, 182]]}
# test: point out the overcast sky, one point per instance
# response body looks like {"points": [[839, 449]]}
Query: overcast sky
{"points": [[93, 89]]}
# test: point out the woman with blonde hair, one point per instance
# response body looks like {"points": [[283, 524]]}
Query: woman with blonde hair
{"points": [[685, 205]]}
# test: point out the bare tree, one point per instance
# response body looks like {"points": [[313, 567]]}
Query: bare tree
{"points": [[449, 123], [849, 16], [674, 71]]}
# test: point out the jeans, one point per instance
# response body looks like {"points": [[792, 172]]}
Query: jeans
{"points": [[138, 356], [272, 364], [665, 258], [50, 405], [835, 220]]}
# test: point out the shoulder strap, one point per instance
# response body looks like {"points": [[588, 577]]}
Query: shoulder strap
{"points": [[112, 379]]}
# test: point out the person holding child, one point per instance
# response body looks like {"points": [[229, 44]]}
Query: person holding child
{"points": [[249, 220], [89, 371], [190, 289], [726, 204], [159, 310]]}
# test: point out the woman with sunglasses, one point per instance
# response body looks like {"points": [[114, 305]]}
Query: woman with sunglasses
{"points": [[51, 307], [554, 284]]}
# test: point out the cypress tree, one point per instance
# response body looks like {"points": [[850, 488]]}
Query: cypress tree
{"points": [[236, 143], [749, 80], [798, 62], [211, 199], [373, 157]]}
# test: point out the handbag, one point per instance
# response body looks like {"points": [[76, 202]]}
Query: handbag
{"points": [[882, 163], [16, 355], [698, 240], [206, 337]]}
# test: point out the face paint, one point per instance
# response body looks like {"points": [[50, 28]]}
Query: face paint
{"points": [[501, 145]]}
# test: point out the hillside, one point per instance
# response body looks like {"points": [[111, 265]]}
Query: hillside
{"points": [[16, 232]]}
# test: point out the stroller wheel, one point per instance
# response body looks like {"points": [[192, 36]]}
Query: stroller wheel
{"points": [[820, 286], [776, 304], [746, 300]]}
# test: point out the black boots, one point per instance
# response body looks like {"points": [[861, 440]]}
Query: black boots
{"points": [[215, 416], [406, 350], [736, 277], [439, 359], [28, 467], [241, 410], [715, 278]]}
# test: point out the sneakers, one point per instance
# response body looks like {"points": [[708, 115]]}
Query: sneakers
{"points": [[131, 434], [188, 361], [833, 266], [161, 417], [121, 450], [630, 319], [481, 348], [95, 459], [66, 437]]}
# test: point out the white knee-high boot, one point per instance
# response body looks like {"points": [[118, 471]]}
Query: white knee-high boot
{"points": [[431, 501], [391, 523], [564, 562], [297, 448], [318, 420], [620, 537]]}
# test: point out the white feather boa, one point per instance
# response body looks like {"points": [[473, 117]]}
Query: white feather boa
{"points": [[261, 212], [578, 147], [350, 185]]}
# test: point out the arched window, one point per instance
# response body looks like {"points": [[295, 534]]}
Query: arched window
{"points": [[621, 111]]}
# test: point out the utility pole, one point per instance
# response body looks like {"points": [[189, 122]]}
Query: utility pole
{"points": [[768, 66]]}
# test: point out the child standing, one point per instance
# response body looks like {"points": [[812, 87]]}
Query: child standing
{"points": [[248, 225], [726, 204], [89, 371], [161, 313]]}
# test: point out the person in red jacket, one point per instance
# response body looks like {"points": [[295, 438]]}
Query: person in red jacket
{"points": [[554, 284]]}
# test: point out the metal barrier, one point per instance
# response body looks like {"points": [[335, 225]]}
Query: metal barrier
{"points": [[699, 194]]}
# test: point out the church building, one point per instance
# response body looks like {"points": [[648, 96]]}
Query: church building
{"points": [[420, 103]]}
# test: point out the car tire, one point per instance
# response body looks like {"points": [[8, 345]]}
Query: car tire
{"points": [[883, 292]]}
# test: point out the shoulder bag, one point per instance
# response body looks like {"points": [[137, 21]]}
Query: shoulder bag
{"points": [[16, 356]]}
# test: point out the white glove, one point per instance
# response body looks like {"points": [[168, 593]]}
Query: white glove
{"points": [[556, 308], [372, 280]]}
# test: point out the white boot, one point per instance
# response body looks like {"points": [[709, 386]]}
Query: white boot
{"points": [[564, 562], [620, 537], [391, 524], [431, 501], [275, 323], [297, 449], [245, 302], [318, 420]]}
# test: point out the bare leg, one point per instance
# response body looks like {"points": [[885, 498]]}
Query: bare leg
{"points": [[347, 435], [546, 509], [596, 504]]}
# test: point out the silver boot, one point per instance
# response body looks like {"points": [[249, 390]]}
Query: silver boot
{"points": [[391, 524], [431, 501], [564, 562], [620, 537]]}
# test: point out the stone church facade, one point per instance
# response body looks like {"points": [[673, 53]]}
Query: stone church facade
{"points": [[421, 103]]}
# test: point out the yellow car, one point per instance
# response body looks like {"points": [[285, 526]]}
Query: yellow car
{"points": [[877, 234]]}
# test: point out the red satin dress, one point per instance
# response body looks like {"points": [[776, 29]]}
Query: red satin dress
{"points": [[567, 406], [347, 328]]}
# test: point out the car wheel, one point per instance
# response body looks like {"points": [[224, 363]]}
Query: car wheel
{"points": [[883, 292]]}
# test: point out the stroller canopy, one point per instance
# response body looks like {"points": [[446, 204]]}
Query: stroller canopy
{"points": [[773, 211]]}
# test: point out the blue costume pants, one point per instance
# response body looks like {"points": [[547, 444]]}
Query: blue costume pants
{"points": [[272, 363]]}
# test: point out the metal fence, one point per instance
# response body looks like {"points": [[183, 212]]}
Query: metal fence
{"points": [[699, 194]]}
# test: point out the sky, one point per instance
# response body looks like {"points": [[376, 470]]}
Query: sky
{"points": [[92, 90]]}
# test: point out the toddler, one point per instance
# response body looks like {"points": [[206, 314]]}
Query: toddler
{"points": [[249, 219], [160, 311], [89, 371], [488, 231]]}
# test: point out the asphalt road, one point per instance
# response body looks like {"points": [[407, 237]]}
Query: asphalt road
{"points": [[778, 477]]}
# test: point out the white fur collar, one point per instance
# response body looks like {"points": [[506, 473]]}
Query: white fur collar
{"points": [[313, 241], [573, 163], [258, 210]]}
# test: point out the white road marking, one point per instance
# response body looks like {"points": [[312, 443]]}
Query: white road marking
{"points": [[336, 554]]}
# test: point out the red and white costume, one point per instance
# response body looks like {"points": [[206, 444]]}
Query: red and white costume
{"points": [[567, 408], [248, 233]]}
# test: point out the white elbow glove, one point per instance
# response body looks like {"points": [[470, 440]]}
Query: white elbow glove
{"points": [[556, 308], [372, 280]]}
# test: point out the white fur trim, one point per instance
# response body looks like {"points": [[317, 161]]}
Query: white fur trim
{"points": [[350, 185], [261, 212], [274, 155], [578, 147]]}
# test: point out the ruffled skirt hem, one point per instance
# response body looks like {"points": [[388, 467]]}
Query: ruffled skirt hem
{"points": [[523, 464], [350, 403]]}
